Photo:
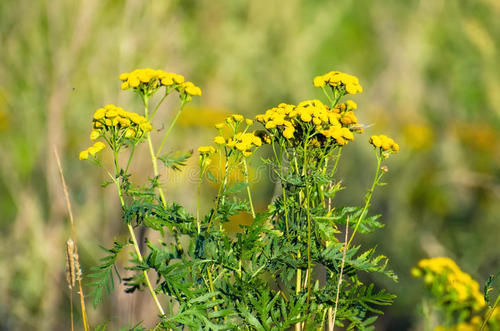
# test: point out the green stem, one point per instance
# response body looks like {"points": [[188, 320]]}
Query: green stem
{"points": [[167, 91], [328, 96], [490, 312], [332, 323], [154, 160], [198, 205], [248, 188], [132, 236], [336, 161], [367, 199], [278, 160], [171, 127], [148, 283], [309, 262], [220, 194], [130, 158]]}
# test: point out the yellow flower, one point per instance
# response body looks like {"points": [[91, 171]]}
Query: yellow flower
{"points": [[99, 114], [375, 141], [288, 132], [385, 143], [337, 79], [95, 134], [190, 88], [306, 117], [205, 150], [351, 105], [249, 121], [318, 81], [179, 79], [237, 117], [130, 133], [270, 125], [134, 82], [257, 141], [84, 155], [219, 140], [220, 125], [124, 122]]}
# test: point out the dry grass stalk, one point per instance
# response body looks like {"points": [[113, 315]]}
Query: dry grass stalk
{"points": [[75, 271]]}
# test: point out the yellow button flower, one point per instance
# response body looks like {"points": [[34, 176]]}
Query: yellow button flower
{"points": [[206, 150], [84, 155], [219, 140]]}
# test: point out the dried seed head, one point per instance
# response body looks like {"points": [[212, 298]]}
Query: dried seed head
{"points": [[70, 263], [73, 270]]}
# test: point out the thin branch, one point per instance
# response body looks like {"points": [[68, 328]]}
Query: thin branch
{"points": [[340, 275], [73, 232]]}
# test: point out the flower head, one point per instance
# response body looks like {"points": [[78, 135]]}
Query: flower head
{"points": [[148, 81], [310, 118], [384, 143], [92, 150], [206, 150], [339, 80]]}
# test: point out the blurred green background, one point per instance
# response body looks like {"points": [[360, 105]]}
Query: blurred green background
{"points": [[431, 77]]}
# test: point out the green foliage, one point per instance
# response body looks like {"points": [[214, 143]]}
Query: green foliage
{"points": [[175, 161], [102, 274], [267, 276]]}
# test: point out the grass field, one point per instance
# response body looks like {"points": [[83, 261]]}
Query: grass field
{"points": [[431, 76]]}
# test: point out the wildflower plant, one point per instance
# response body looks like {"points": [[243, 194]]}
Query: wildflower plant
{"points": [[458, 297], [296, 265]]}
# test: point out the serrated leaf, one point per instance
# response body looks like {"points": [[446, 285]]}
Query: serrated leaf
{"points": [[175, 160]]}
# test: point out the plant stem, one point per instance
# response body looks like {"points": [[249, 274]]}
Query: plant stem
{"points": [[198, 196], [132, 236], [367, 198], [332, 326], [220, 194], [309, 263], [328, 96], [130, 158], [154, 160], [490, 312], [248, 188], [148, 283], [167, 91], [183, 103], [298, 286], [280, 164], [73, 232]]}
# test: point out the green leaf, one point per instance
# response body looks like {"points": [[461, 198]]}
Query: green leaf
{"points": [[175, 160], [236, 188], [103, 273]]}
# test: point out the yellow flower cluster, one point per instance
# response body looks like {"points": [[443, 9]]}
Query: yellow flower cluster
{"points": [[149, 80], [473, 325], [444, 274], [92, 150], [313, 118], [206, 150], [114, 119], [244, 142], [384, 143], [339, 80]]}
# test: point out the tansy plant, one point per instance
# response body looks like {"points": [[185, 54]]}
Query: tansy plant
{"points": [[296, 265], [457, 297]]}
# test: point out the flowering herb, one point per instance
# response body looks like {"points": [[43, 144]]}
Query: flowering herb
{"points": [[267, 276]]}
